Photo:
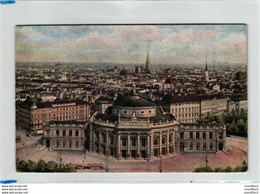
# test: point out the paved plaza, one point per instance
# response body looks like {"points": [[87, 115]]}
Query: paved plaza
{"points": [[29, 148]]}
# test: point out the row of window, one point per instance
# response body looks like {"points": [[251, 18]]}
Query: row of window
{"points": [[176, 110], [50, 115], [197, 135], [59, 119], [64, 133], [198, 144], [133, 141], [63, 144], [186, 115], [125, 112], [61, 109]]}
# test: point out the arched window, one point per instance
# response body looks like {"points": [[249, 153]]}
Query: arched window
{"points": [[191, 135], [64, 133], [211, 135], [204, 145], [57, 132], [163, 140], [197, 135], [198, 146], [57, 143], [211, 145], [77, 133], [204, 135], [70, 133], [181, 135]]}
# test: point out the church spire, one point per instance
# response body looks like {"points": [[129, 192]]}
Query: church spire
{"points": [[206, 73], [148, 61]]}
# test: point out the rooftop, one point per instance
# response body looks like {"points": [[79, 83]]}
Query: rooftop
{"points": [[133, 99]]}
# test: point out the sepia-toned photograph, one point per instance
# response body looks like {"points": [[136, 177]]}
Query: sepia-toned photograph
{"points": [[131, 98]]}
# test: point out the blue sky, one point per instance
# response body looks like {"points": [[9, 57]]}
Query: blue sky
{"points": [[128, 43]]}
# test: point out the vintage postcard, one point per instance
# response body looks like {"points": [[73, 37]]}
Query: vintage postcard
{"points": [[131, 98]]}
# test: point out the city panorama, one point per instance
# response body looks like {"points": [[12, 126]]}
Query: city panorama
{"points": [[131, 98]]}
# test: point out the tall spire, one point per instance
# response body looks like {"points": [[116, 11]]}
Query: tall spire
{"points": [[148, 62], [206, 73]]}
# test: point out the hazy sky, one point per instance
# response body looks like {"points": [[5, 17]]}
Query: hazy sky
{"points": [[128, 43]]}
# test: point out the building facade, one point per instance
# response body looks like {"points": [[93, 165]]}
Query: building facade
{"points": [[31, 116], [64, 135], [201, 137], [191, 107], [134, 127]]}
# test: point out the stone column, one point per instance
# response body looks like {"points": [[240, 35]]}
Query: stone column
{"points": [[167, 143], [99, 142], [91, 140], [128, 146], [107, 148], [160, 144], [201, 135], [173, 141], [118, 154], [138, 146], [151, 144], [148, 146]]}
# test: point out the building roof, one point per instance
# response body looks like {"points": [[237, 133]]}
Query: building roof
{"points": [[29, 103], [133, 99], [67, 122], [191, 97], [160, 116]]}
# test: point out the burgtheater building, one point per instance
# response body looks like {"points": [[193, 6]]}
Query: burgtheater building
{"points": [[135, 127]]}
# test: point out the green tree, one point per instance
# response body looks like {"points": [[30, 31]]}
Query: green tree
{"points": [[123, 72], [41, 166], [22, 166], [210, 116], [51, 166], [31, 166], [204, 169], [228, 169]]}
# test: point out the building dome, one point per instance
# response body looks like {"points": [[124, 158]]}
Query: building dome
{"points": [[133, 100]]}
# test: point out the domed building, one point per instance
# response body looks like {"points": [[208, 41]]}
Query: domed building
{"points": [[134, 127]]}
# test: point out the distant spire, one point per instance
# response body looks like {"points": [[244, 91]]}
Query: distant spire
{"points": [[148, 62], [206, 68]]}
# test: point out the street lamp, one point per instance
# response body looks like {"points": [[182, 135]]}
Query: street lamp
{"points": [[59, 158], [107, 163], [206, 156], [160, 163]]}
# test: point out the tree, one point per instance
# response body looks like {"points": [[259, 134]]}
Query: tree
{"points": [[51, 166], [210, 116], [41, 166], [204, 169], [228, 169], [123, 72], [31, 166]]}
